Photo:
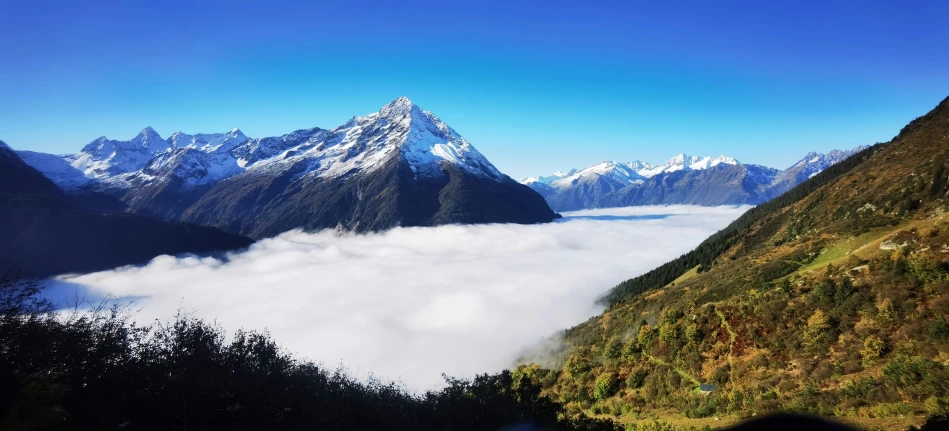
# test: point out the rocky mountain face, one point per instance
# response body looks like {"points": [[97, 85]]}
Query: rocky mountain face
{"points": [[401, 166], [727, 184], [811, 165], [682, 179], [43, 234], [17, 177]]}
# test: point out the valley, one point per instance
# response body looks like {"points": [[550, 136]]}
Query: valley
{"points": [[829, 299], [474, 216], [410, 304]]}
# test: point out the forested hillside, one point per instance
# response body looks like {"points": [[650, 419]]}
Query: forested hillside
{"points": [[832, 300]]}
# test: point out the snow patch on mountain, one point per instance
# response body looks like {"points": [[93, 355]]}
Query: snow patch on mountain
{"points": [[627, 173], [208, 142], [814, 163], [639, 165], [549, 178], [618, 172], [686, 162], [425, 141]]}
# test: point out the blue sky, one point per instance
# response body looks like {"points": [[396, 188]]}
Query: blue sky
{"points": [[535, 86]]}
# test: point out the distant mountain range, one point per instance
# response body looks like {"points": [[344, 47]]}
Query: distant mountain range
{"points": [[682, 179], [401, 166]]}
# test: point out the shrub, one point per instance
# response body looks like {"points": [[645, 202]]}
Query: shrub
{"points": [[886, 314], [857, 389], [703, 410], [872, 349], [631, 349], [721, 375], [668, 332], [916, 376], [886, 410], [636, 379], [577, 365], [815, 330], [652, 426], [736, 401], [934, 405], [924, 269], [614, 349], [939, 328], [605, 386], [646, 336]]}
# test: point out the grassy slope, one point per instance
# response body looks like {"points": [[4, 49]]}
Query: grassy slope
{"points": [[747, 322], [686, 276]]}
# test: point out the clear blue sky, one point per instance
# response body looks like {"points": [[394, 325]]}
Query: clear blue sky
{"points": [[536, 86]]}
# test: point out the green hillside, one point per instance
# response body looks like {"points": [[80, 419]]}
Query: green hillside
{"points": [[831, 299]]}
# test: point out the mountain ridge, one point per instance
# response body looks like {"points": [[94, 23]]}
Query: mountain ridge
{"points": [[683, 179], [107, 158], [190, 177]]}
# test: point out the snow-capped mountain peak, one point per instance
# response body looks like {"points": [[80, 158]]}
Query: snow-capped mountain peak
{"points": [[422, 139], [831, 157], [149, 140], [399, 129], [399, 107], [104, 157], [148, 133]]}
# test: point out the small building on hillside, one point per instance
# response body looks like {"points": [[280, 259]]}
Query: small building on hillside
{"points": [[705, 388]]}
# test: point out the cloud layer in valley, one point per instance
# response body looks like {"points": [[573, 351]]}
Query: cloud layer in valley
{"points": [[413, 303]]}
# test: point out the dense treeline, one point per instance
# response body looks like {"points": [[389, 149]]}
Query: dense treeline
{"points": [[99, 370], [712, 248]]}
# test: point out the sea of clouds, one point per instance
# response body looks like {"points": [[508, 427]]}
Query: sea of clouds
{"points": [[413, 303]]}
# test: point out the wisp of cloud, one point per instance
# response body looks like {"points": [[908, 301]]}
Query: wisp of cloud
{"points": [[412, 303]]}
